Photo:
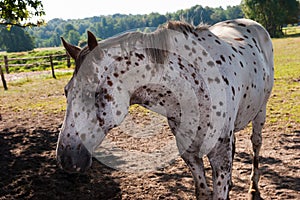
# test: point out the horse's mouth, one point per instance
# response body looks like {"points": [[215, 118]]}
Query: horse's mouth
{"points": [[74, 161]]}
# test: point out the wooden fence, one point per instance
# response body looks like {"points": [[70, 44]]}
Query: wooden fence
{"points": [[46, 61]]}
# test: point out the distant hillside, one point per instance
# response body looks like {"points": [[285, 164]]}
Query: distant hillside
{"points": [[105, 26]]}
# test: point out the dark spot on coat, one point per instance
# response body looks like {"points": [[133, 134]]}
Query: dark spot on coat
{"points": [[148, 67], [119, 58], [140, 56], [193, 50], [242, 65], [234, 49], [116, 75], [110, 83], [108, 97], [217, 41], [210, 63], [239, 39], [186, 47], [225, 80], [222, 58]]}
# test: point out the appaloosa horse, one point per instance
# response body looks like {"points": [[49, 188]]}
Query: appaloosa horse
{"points": [[208, 81]]}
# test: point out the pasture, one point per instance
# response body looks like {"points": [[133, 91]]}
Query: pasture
{"points": [[32, 111]]}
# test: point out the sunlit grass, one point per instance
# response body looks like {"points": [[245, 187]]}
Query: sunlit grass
{"points": [[35, 95], [291, 30], [284, 104]]}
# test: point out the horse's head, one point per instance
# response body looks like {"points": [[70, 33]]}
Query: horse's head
{"points": [[86, 121]]}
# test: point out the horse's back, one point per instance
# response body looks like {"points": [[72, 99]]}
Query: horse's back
{"points": [[250, 67], [243, 29]]}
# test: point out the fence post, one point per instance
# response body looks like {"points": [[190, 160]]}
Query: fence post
{"points": [[3, 79], [52, 67], [6, 64], [68, 61]]}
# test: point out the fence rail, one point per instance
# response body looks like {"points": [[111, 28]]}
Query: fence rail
{"points": [[50, 60]]}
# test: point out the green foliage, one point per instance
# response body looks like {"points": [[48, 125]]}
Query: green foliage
{"points": [[17, 12], [15, 40], [272, 14], [74, 31]]}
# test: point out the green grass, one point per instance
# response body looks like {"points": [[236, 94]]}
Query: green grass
{"points": [[291, 30], [35, 95], [59, 63], [284, 106]]}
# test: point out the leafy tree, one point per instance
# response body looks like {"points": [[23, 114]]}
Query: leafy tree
{"points": [[73, 37], [18, 12], [16, 39], [234, 12], [111, 25], [218, 15], [272, 14]]}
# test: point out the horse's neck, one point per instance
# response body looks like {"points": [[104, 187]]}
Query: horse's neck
{"points": [[143, 84], [157, 98], [155, 77]]}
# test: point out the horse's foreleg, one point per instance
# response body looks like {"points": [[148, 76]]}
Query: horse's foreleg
{"points": [[197, 168], [220, 159], [256, 139]]}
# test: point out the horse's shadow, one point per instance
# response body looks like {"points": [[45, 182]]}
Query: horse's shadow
{"points": [[268, 165], [29, 170]]}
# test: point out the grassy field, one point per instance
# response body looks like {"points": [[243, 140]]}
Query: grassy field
{"points": [[292, 30], [284, 104], [59, 63], [44, 94]]}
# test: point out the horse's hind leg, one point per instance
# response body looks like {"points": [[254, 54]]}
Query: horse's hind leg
{"points": [[197, 168], [256, 139], [220, 159]]}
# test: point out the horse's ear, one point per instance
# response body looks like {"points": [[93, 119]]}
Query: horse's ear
{"points": [[72, 50], [92, 41]]}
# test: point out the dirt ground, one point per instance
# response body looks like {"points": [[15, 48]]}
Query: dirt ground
{"points": [[28, 168]]}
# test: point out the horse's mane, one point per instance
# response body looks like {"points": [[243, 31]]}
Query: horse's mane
{"points": [[184, 26], [156, 43]]}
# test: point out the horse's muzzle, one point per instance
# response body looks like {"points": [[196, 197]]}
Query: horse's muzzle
{"points": [[73, 159]]}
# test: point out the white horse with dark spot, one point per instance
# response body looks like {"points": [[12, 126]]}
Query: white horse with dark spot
{"points": [[208, 81]]}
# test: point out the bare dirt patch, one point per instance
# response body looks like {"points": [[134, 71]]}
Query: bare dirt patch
{"points": [[29, 170]]}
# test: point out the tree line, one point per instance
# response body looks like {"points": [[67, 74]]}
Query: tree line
{"points": [[272, 14], [103, 27]]}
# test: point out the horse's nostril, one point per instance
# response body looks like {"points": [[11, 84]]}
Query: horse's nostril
{"points": [[74, 158]]}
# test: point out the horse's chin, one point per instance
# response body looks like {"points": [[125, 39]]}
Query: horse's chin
{"points": [[76, 169], [74, 161]]}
